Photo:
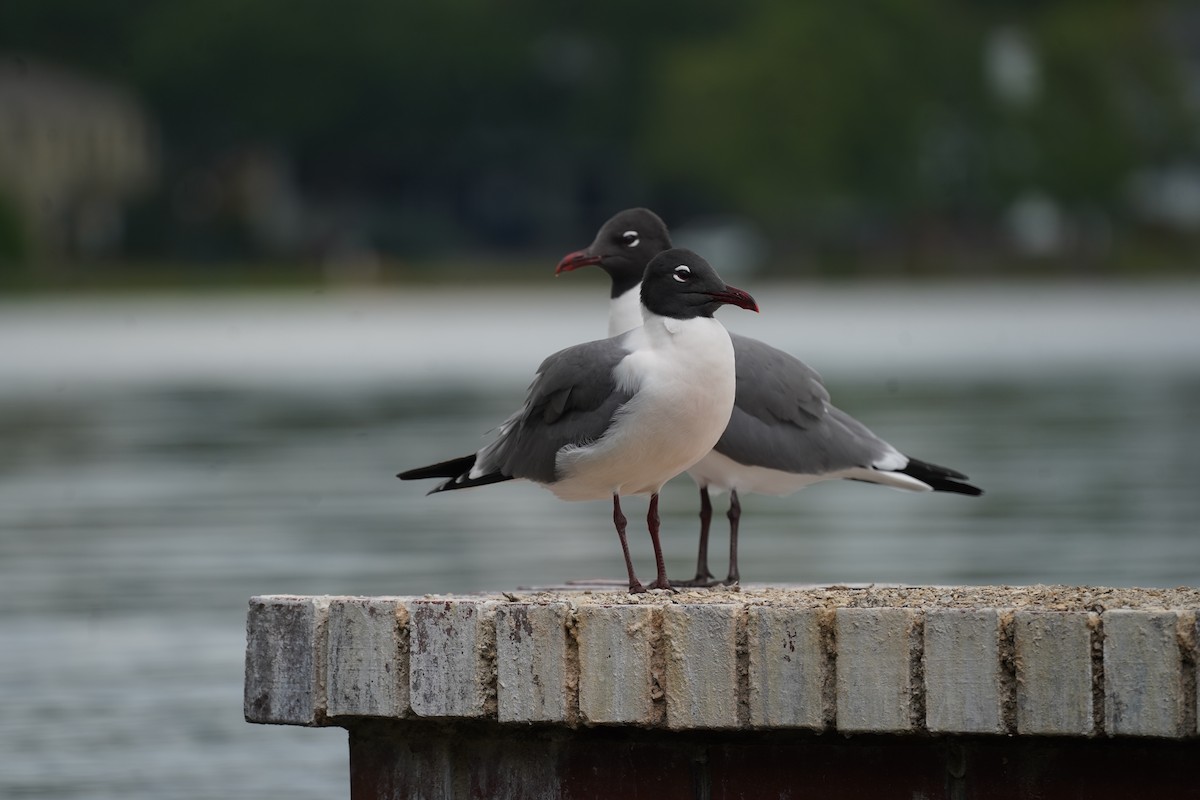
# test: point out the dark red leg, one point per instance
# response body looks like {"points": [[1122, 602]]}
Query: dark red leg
{"points": [[635, 586], [661, 581], [703, 576], [735, 514]]}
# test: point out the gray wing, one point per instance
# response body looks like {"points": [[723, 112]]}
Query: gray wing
{"points": [[782, 418], [772, 384], [571, 401]]}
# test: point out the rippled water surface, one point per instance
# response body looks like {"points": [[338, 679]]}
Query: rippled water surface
{"points": [[163, 460]]}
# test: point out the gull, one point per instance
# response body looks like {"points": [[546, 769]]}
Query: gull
{"points": [[784, 433], [624, 415]]}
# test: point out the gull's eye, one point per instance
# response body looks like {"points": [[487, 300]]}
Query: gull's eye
{"points": [[683, 273], [630, 238]]}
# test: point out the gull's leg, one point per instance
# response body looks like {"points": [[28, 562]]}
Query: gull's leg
{"points": [[660, 582], [703, 576], [635, 586], [735, 514]]}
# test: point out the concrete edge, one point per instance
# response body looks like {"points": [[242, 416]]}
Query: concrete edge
{"points": [[315, 661]]}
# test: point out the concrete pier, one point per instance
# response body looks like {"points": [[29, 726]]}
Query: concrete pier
{"points": [[844, 691]]}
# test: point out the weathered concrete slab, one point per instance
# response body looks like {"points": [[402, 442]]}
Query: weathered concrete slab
{"points": [[700, 648], [368, 657], [449, 675], [1054, 672], [964, 686], [874, 677], [531, 662], [617, 684], [285, 660], [1143, 674], [787, 667], [750, 661]]}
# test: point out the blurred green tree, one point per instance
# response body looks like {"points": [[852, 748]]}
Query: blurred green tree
{"points": [[878, 121], [814, 117]]}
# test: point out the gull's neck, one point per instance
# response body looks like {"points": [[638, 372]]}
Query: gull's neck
{"points": [[625, 311]]}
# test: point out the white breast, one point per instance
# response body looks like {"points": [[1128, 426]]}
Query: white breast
{"points": [[681, 373]]}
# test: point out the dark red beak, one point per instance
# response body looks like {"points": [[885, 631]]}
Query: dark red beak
{"points": [[735, 297], [579, 258]]}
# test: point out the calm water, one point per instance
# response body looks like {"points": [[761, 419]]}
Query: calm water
{"points": [[163, 460]]}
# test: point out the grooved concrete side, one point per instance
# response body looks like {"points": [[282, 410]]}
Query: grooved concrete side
{"points": [[1143, 674], [787, 665], [576, 659], [368, 657], [531, 662], [874, 684], [1054, 673], [447, 675], [963, 681], [700, 643], [616, 683], [285, 660]]}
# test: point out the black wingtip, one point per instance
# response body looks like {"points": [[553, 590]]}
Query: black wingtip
{"points": [[456, 471], [967, 489], [465, 482], [941, 479], [444, 469]]}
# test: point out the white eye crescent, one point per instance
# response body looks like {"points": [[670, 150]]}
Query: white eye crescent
{"points": [[630, 238], [683, 273]]}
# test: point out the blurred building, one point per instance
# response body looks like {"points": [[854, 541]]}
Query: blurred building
{"points": [[73, 152]]}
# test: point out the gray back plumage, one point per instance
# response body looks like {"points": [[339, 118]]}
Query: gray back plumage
{"points": [[782, 418], [571, 401]]}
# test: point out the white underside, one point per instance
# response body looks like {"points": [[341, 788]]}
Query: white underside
{"points": [[681, 372], [721, 474]]}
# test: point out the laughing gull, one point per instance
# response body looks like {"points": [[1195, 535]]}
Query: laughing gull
{"points": [[623, 415], [783, 434]]}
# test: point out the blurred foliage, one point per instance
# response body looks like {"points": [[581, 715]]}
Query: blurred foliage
{"points": [[14, 244], [817, 111], [836, 128]]}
